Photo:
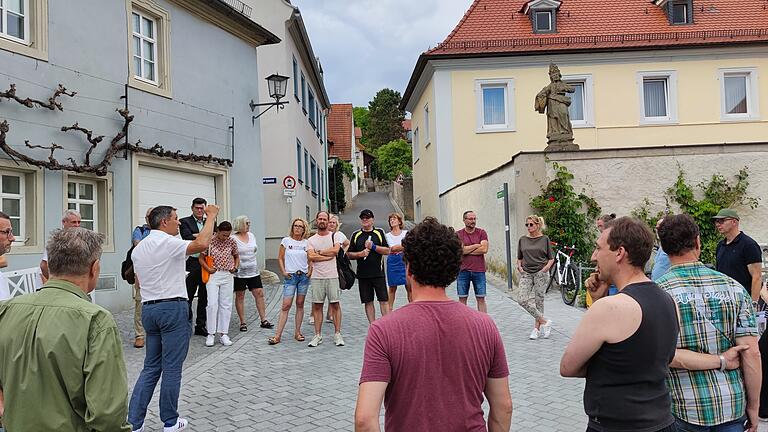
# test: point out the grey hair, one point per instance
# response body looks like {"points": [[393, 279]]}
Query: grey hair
{"points": [[238, 223], [72, 251], [158, 214], [69, 213]]}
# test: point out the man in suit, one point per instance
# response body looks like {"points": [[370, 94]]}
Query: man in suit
{"points": [[189, 229]]}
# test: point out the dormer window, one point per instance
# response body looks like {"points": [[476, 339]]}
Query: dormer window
{"points": [[543, 14], [679, 12]]}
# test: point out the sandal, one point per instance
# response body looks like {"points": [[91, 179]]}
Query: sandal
{"points": [[273, 340], [266, 324], [243, 327], [299, 337]]}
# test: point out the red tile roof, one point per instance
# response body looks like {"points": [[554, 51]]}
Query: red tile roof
{"points": [[495, 26], [406, 125], [340, 125]]}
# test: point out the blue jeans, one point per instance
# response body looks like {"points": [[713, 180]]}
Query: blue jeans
{"points": [[732, 426], [168, 326], [296, 284], [478, 282]]}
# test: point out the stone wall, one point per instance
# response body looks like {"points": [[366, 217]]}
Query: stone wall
{"points": [[402, 194]]}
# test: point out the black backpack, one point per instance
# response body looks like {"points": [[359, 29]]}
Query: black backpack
{"points": [[344, 267], [126, 269]]}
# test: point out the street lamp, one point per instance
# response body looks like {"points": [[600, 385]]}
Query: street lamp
{"points": [[277, 85], [332, 163]]}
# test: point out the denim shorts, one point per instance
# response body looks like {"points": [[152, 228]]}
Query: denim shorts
{"points": [[478, 282], [296, 284]]}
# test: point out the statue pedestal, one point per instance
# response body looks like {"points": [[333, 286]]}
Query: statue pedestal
{"points": [[561, 146]]}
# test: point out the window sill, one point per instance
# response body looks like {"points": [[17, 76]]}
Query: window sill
{"points": [[314, 194], [13, 45], [138, 84], [743, 118], [305, 110], [295, 96], [582, 126], [427, 145], [659, 122], [495, 130], [416, 161]]}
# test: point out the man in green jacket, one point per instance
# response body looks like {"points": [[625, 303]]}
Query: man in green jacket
{"points": [[61, 355]]}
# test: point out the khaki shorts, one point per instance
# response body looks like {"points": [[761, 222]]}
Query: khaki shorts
{"points": [[325, 288]]}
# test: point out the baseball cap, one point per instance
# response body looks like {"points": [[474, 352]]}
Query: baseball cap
{"points": [[366, 214], [726, 213]]}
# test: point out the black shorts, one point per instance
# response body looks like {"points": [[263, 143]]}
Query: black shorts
{"points": [[369, 285], [241, 284]]}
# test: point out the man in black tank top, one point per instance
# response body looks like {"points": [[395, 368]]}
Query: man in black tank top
{"points": [[624, 343]]}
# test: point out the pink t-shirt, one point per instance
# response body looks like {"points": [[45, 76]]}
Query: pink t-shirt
{"points": [[437, 357], [475, 263], [323, 269]]}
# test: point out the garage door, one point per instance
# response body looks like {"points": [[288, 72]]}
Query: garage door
{"points": [[162, 186]]}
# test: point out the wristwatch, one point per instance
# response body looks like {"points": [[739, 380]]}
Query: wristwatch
{"points": [[723, 363]]}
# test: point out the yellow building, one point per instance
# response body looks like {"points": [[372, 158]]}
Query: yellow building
{"points": [[645, 74]]}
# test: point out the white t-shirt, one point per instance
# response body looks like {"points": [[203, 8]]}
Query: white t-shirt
{"points": [[158, 262], [295, 255], [323, 269], [5, 291], [339, 237], [45, 254], [393, 240], [249, 266]]}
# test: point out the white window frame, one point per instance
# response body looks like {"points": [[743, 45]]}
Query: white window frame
{"points": [[77, 201], [139, 74], [509, 104], [753, 99], [4, 18], [20, 236], [671, 79], [589, 100], [536, 28], [161, 18], [295, 79], [416, 145], [427, 139]]}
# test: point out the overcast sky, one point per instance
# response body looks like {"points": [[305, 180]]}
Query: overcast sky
{"points": [[367, 45]]}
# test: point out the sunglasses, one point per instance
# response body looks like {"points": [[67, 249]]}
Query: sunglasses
{"points": [[299, 226], [530, 224]]}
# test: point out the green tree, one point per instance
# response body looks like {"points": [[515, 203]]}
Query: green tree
{"points": [[360, 114], [393, 158], [385, 118], [336, 181]]}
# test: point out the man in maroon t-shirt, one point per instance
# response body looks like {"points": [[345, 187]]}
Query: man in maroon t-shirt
{"points": [[425, 382], [475, 241]]}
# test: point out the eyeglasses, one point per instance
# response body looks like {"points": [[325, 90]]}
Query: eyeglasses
{"points": [[299, 226], [530, 224], [721, 221], [8, 232]]}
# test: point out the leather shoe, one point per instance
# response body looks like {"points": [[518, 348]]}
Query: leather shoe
{"points": [[138, 342], [201, 331]]}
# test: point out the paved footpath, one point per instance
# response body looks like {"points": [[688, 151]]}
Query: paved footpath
{"points": [[252, 386]]}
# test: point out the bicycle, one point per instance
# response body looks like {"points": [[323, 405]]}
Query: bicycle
{"points": [[565, 271]]}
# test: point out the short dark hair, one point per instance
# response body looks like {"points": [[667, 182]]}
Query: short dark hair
{"points": [[199, 200], [322, 211], [225, 226], [678, 234], [5, 216], [158, 215], [632, 234], [433, 252], [464, 216], [607, 217]]}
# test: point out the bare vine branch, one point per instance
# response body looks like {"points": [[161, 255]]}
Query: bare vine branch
{"points": [[52, 104]]}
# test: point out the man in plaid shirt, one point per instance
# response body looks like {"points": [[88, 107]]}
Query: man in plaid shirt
{"points": [[715, 376]]}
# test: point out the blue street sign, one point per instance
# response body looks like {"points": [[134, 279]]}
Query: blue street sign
{"points": [[269, 180]]}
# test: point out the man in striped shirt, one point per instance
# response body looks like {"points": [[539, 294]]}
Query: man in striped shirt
{"points": [[715, 376]]}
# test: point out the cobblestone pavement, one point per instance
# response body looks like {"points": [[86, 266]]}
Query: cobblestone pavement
{"points": [[252, 386]]}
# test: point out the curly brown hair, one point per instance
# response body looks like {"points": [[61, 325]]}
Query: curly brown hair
{"points": [[433, 253]]}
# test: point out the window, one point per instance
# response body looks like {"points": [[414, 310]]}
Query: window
{"points": [[319, 120], [658, 97], [303, 93], [739, 99], [313, 171], [295, 79], [149, 36], [144, 47], [680, 11], [581, 109], [426, 125], [298, 161], [495, 108], [13, 203], [543, 22], [14, 22], [306, 169], [312, 109], [81, 196], [24, 27], [418, 210], [308, 219], [322, 186], [416, 145]]}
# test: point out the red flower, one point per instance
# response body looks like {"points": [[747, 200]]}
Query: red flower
{"points": [[551, 199]]}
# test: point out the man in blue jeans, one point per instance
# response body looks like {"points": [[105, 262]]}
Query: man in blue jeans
{"points": [[159, 265], [475, 246]]}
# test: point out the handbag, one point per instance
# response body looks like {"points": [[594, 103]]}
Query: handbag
{"points": [[209, 262]]}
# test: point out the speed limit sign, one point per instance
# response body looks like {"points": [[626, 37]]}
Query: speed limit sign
{"points": [[289, 182]]}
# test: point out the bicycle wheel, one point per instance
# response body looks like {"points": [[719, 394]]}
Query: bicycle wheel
{"points": [[552, 277], [570, 286]]}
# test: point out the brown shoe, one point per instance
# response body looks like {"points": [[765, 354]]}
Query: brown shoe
{"points": [[138, 342]]}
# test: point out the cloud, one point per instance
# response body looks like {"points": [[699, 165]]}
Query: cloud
{"points": [[367, 45]]}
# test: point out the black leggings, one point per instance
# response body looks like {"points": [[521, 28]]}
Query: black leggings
{"points": [[763, 344], [670, 428]]}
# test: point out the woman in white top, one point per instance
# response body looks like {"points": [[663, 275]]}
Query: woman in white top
{"points": [[248, 276], [296, 269], [395, 264]]}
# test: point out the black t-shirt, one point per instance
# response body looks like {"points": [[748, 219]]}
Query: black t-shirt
{"points": [[734, 257], [370, 266]]}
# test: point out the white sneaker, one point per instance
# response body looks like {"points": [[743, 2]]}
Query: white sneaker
{"points": [[338, 340], [311, 319], [225, 340], [317, 340], [141, 429], [209, 340], [181, 424], [546, 329], [534, 334]]}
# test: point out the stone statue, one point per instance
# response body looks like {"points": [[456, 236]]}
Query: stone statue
{"points": [[553, 98]]}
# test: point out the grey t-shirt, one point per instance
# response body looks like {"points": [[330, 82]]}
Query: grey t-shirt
{"points": [[535, 252]]}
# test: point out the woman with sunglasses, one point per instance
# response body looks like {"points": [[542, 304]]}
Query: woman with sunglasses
{"points": [[534, 259], [296, 269], [248, 275]]}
